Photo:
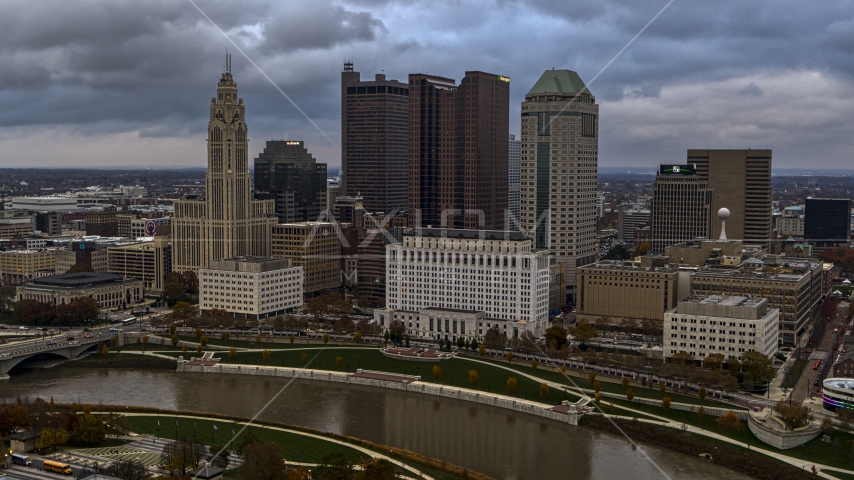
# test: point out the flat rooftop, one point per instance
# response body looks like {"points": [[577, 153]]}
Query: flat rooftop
{"points": [[465, 234], [727, 301], [77, 280]]}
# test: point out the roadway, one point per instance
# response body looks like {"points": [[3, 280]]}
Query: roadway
{"points": [[821, 345]]}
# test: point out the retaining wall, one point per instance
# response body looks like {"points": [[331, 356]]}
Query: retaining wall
{"points": [[464, 394], [781, 439], [713, 411]]}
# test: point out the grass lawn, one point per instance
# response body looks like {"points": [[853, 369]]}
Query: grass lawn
{"points": [[135, 347], [294, 447], [794, 374], [840, 476], [610, 387], [299, 342]]}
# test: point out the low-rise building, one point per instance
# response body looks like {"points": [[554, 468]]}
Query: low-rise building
{"points": [[790, 222], [462, 279], [314, 246], [20, 266], [730, 325], [111, 291], [134, 225], [15, 224], [844, 365], [258, 287]]}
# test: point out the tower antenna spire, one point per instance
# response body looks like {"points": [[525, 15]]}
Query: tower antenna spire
{"points": [[227, 62]]}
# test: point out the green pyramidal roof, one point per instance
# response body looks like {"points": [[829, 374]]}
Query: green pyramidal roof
{"points": [[558, 81]]}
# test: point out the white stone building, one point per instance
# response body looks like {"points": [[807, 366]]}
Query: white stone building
{"points": [[731, 325], [258, 287], [448, 283]]}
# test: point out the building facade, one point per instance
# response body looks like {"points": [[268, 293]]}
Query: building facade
{"points": [[149, 261], [110, 291], [134, 225], [494, 275], [458, 151], [682, 207], [374, 140], [102, 223], [560, 148], [314, 246], [258, 287], [20, 266], [227, 223], [827, 222], [513, 179], [630, 219], [741, 180], [794, 286], [791, 222], [286, 173], [702, 325]]}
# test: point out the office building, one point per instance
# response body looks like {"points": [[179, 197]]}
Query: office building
{"points": [[458, 151], [286, 173], [741, 180], [611, 291], [444, 283], [314, 246], [149, 260], [227, 223], [134, 225], [631, 218], [682, 207], [513, 179], [90, 251], [827, 222], [700, 252], [110, 291], [792, 285], [374, 140], [333, 191], [791, 223], [257, 287], [103, 223], [15, 224], [20, 266], [560, 123], [48, 223], [702, 325]]}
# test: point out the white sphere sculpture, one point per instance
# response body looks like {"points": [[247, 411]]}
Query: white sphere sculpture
{"points": [[723, 214]]}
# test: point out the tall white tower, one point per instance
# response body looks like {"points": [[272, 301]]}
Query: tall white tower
{"points": [[723, 214], [227, 223]]}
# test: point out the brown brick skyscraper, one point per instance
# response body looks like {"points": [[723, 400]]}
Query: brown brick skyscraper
{"points": [[458, 153]]}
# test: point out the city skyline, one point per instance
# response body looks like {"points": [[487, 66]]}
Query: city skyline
{"points": [[655, 105]]}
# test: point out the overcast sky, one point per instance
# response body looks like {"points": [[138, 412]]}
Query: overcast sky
{"points": [[128, 83]]}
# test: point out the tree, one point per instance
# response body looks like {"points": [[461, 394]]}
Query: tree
{"points": [[481, 349], [262, 461], [630, 394], [339, 361], [386, 336], [174, 340], [333, 466], [181, 311], [641, 249], [472, 377], [597, 386], [714, 362], [617, 252], [794, 416], [13, 417], [299, 474], [199, 348], [357, 337], [198, 333], [190, 281], [117, 425], [591, 377], [827, 425], [757, 366], [734, 366], [494, 337], [89, 429], [845, 416], [144, 341], [80, 268], [378, 469], [682, 358], [535, 364], [461, 342], [184, 348], [582, 332], [303, 358], [702, 393], [701, 412], [437, 372], [232, 353], [406, 340], [182, 456], [544, 390], [325, 338], [173, 293], [317, 307], [625, 382], [729, 421], [511, 384], [556, 337], [665, 404], [473, 345], [598, 397], [52, 437], [510, 357], [172, 329], [265, 354], [104, 350], [7, 298]]}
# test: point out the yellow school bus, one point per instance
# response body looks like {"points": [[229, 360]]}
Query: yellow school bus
{"points": [[56, 467]]}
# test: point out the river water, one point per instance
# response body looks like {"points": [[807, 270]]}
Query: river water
{"points": [[500, 443]]}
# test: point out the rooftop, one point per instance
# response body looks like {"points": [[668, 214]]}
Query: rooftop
{"points": [[76, 280], [465, 234], [558, 81], [724, 300]]}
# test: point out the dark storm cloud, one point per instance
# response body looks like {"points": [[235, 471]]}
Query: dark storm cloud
{"points": [[150, 67]]}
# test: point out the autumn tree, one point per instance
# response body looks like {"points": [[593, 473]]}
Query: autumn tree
{"points": [[714, 362], [174, 340], [591, 377], [13, 417], [535, 364], [333, 466], [378, 469], [734, 366], [303, 358], [757, 366], [511, 384], [481, 349], [641, 249], [181, 311], [265, 354], [556, 337], [582, 332], [544, 390], [625, 382], [339, 361], [262, 461], [232, 353], [472, 377], [437, 372], [182, 456], [630, 394], [701, 412], [80, 268], [729, 421], [357, 337], [89, 429], [665, 404], [702, 393], [597, 386], [509, 357]]}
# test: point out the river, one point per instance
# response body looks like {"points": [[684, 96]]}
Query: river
{"points": [[500, 443]]}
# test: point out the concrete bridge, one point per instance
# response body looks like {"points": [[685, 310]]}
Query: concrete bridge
{"points": [[15, 353]]}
